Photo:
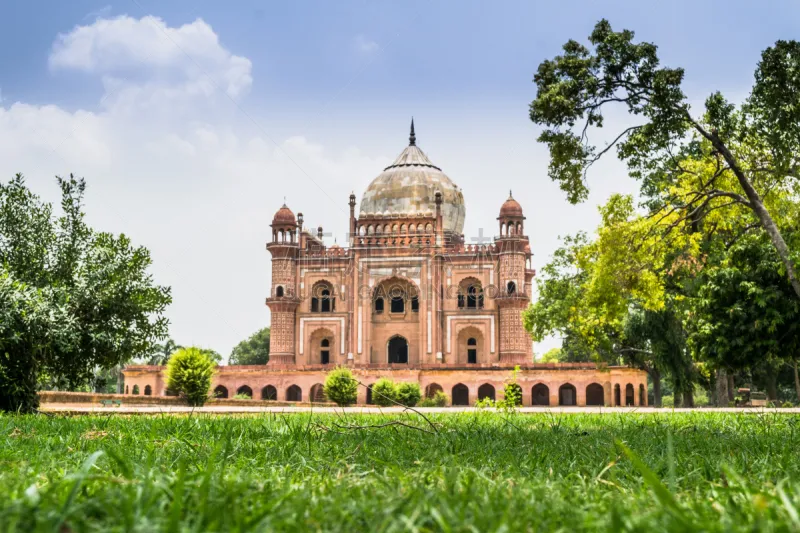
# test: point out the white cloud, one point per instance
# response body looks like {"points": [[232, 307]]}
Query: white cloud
{"points": [[365, 45], [124, 47]]}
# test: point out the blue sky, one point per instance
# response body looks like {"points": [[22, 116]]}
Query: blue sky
{"points": [[309, 100]]}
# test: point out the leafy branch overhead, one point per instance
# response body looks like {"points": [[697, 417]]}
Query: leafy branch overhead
{"points": [[753, 149]]}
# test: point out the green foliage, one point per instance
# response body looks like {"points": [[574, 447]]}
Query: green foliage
{"points": [[485, 403], [252, 351], [384, 393], [162, 352], [72, 300], [242, 396], [551, 356], [440, 399], [341, 387], [736, 160], [746, 311], [189, 374], [408, 393]]}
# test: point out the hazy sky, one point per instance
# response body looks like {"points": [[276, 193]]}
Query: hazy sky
{"points": [[192, 120]]}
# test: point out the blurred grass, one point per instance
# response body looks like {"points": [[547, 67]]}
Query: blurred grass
{"points": [[479, 471]]}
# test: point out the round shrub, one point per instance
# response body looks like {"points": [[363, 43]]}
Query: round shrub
{"points": [[189, 374], [341, 387], [384, 393], [439, 399], [787, 405], [408, 394]]}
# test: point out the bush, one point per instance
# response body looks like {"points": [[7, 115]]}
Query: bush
{"points": [[512, 394], [668, 401], [787, 405], [242, 397], [341, 387], [485, 403], [408, 394], [384, 392], [439, 399], [189, 374]]}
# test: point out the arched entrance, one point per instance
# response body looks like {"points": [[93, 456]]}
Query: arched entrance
{"points": [[642, 395], [617, 400], [567, 395], [317, 393], [244, 390], [432, 389], [148, 390], [398, 350], [629, 396], [294, 394], [486, 391], [220, 392], [369, 395], [595, 394], [269, 393], [460, 394], [540, 394]]}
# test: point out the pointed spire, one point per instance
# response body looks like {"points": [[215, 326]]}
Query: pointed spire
{"points": [[509, 194], [412, 139]]}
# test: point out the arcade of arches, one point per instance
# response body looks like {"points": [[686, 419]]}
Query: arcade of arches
{"points": [[575, 384]]}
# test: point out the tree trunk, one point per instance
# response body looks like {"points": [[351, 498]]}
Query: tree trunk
{"points": [[731, 389], [758, 208], [688, 398], [796, 381], [722, 387], [772, 385], [656, 377]]}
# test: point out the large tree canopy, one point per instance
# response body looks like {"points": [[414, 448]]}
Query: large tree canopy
{"points": [[72, 299], [749, 153], [253, 350]]}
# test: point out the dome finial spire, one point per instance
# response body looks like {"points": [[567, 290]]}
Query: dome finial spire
{"points": [[412, 138]]}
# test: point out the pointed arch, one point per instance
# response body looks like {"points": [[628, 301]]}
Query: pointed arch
{"points": [[269, 393]]}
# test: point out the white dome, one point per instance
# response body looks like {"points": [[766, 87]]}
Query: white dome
{"points": [[407, 188]]}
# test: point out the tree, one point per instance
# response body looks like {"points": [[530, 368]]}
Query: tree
{"points": [[73, 299], [341, 387], [162, 352], [213, 355], [189, 374], [552, 355], [756, 146], [252, 351], [746, 315]]}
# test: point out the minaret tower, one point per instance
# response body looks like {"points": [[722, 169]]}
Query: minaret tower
{"points": [[515, 344], [283, 299]]}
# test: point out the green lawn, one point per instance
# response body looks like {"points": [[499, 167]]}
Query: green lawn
{"points": [[478, 472]]}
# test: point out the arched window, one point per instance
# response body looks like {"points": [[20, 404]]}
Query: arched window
{"points": [[279, 291], [617, 400], [460, 394], [322, 298], [595, 395], [511, 287], [269, 393], [325, 352], [220, 392], [472, 350], [398, 304], [486, 391], [244, 390], [379, 305], [642, 395], [540, 394], [567, 395], [397, 349], [136, 389], [414, 304], [294, 394], [148, 390]]}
